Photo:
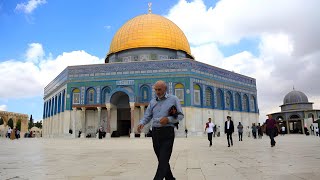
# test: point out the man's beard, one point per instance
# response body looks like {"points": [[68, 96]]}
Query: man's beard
{"points": [[161, 96]]}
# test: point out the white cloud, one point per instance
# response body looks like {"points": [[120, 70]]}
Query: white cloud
{"points": [[208, 53], [107, 27], [230, 21], [288, 48], [50, 68], [35, 53], [279, 43], [30, 6], [3, 107], [28, 78]]}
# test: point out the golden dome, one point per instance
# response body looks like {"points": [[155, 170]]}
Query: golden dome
{"points": [[149, 30]]}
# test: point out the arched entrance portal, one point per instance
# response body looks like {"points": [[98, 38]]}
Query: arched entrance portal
{"points": [[10, 123], [121, 101], [282, 122], [295, 124]]}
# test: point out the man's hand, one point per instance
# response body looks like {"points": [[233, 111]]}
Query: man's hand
{"points": [[164, 121], [140, 126]]}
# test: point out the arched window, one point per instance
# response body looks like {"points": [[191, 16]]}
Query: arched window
{"points": [[245, 103], [209, 97], [295, 116], [219, 99], [44, 111], [90, 96], [237, 104], [55, 105], [145, 93], [52, 106], [105, 92], [229, 101], [76, 96], [63, 100], [179, 92], [59, 103], [49, 108], [196, 95], [252, 103]]}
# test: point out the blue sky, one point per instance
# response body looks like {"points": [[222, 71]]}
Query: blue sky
{"points": [[268, 40]]}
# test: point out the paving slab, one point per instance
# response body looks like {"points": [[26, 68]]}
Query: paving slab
{"points": [[294, 157]]}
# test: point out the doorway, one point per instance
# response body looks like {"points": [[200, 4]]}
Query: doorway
{"points": [[123, 121], [121, 101]]}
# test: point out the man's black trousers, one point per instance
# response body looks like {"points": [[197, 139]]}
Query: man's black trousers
{"points": [[229, 136], [210, 138], [163, 139]]}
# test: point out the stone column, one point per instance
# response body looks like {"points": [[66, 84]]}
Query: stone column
{"points": [[52, 126], [5, 121], [132, 119], [83, 122], [99, 120], [99, 117], [302, 126], [108, 134], [46, 127], [288, 128], [74, 119], [14, 122], [142, 134], [59, 132]]}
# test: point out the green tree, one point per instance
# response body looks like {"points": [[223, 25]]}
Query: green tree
{"points": [[10, 123], [30, 124], [38, 124], [19, 125]]}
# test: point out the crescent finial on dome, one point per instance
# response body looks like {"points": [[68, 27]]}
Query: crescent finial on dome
{"points": [[149, 9]]}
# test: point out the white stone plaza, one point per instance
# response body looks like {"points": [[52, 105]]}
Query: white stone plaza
{"points": [[293, 157]]}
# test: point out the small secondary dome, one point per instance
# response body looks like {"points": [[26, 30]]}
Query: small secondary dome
{"points": [[295, 97]]}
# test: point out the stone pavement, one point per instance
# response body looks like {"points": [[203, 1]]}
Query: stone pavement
{"points": [[294, 157]]}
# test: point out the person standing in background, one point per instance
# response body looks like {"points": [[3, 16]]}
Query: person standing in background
{"points": [[240, 131], [209, 128]]}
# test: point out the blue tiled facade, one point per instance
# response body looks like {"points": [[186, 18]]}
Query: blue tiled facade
{"points": [[219, 89]]}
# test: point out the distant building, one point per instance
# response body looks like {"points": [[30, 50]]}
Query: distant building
{"points": [[12, 119], [296, 112], [115, 95]]}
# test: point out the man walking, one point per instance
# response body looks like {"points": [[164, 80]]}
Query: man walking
{"points": [[229, 129], [209, 129], [283, 130], [240, 131], [312, 129], [163, 120], [271, 129]]}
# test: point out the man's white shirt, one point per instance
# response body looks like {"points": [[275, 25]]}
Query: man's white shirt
{"points": [[210, 128]]}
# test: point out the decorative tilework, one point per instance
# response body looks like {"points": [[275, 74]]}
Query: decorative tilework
{"points": [[82, 94], [98, 95], [124, 82], [170, 87]]}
